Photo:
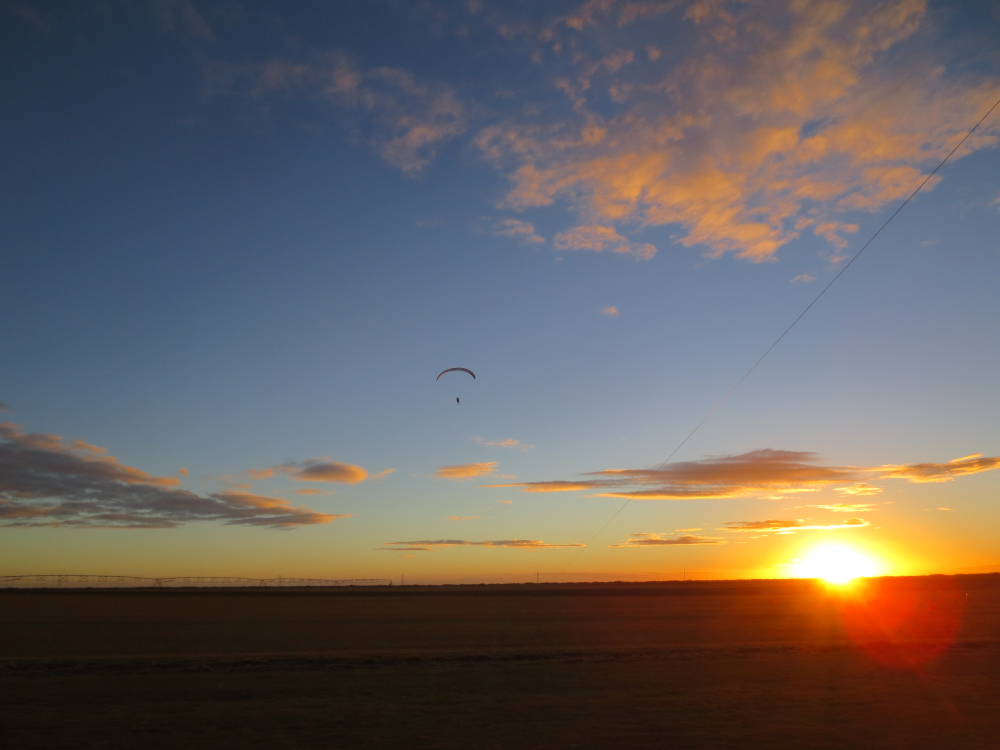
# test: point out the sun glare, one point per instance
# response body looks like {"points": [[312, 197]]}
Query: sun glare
{"points": [[834, 564]]}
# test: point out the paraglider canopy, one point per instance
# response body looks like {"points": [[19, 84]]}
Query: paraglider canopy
{"points": [[456, 369]]}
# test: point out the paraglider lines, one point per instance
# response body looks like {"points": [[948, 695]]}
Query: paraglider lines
{"points": [[456, 369]]}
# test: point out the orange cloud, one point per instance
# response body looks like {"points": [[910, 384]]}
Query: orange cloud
{"points": [[785, 527], [780, 112], [554, 486], [467, 471], [763, 473], [611, 311], [861, 489], [930, 472], [831, 231], [80, 445], [646, 539], [324, 470], [463, 518], [510, 543], [845, 507], [317, 470]]}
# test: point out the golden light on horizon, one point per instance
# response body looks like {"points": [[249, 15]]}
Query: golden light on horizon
{"points": [[834, 564]]}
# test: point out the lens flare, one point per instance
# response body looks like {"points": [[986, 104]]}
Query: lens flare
{"points": [[834, 564]]}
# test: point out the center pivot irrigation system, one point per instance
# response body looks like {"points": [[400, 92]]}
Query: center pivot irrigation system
{"points": [[77, 581]]}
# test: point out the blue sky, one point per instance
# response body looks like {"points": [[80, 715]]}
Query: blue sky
{"points": [[238, 238]]}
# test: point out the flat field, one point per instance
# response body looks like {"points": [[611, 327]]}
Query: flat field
{"points": [[890, 663]]}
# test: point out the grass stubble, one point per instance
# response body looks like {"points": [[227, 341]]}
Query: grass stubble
{"points": [[698, 664]]}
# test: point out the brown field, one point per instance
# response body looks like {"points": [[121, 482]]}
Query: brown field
{"points": [[910, 663]]}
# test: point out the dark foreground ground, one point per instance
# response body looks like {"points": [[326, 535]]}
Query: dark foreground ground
{"points": [[907, 663]]}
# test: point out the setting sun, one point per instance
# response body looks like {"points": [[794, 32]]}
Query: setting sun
{"points": [[834, 564]]}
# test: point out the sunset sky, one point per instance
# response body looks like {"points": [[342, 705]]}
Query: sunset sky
{"points": [[239, 241]]}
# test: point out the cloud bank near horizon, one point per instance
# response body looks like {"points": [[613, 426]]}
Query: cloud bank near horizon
{"points": [[47, 482], [764, 473]]}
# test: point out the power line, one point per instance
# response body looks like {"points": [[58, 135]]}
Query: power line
{"points": [[833, 281], [78, 580]]}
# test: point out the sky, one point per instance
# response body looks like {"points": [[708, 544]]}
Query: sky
{"points": [[239, 241]]}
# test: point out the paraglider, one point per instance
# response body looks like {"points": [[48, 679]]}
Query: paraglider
{"points": [[456, 369], [458, 400]]}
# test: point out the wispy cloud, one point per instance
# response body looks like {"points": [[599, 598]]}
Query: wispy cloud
{"points": [[861, 489], [315, 470], [551, 486], [45, 481], [930, 472], [5, 408], [408, 119], [404, 549], [522, 231], [770, 119], [39, 21], [600, 238], [467, 471], [803, 278], [648, 539], [785, 527], [611, 311], [506, 443], [845, 507], [182, 17], [510, 543], [763, 473], [463, 518]]}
